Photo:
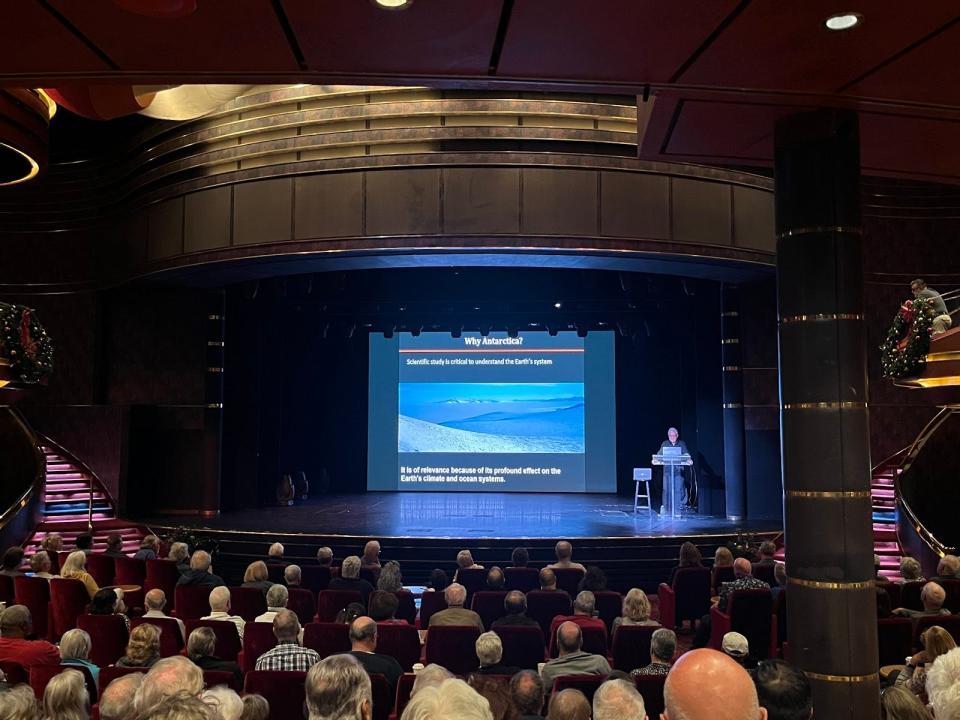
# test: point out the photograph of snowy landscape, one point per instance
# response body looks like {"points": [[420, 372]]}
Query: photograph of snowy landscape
{"points": [[491, 417]]}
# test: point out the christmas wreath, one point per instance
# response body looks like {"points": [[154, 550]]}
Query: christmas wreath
{"points": [[24, 344], [904, 352]]}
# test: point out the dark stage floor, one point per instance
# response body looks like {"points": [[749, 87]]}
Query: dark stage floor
{"points": [[475, 515]]}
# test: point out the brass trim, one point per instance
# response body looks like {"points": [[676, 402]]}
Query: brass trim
{"points": [[820, 317], [947, 381], [821, 585], [731, 368], [819, 229], [730, 341], [943, 356], [842, 678], [31, 173], [215, 343], [214, 406], [48, 101], [830, 494], [825, 406], [732, 406]]}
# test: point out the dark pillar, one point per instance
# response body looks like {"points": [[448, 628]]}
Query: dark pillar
{"points": [[832, 623], [734, 464], [209, 501]]}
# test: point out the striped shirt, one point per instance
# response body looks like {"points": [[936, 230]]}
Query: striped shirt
{"points": [[288, 656]]}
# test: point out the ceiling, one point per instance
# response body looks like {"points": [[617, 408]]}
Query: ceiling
{"points": [[717, 73]]}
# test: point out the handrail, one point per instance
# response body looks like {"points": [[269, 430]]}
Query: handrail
{"points": [[925, 534], [38, 477], [90, 474]]}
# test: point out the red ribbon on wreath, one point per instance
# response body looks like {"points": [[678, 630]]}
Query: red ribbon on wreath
{"points": [[26, 339]]}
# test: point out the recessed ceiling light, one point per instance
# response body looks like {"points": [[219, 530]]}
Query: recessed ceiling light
{"points": [[843, 21], [392, 4]]}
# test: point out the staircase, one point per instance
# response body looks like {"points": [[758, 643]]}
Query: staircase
{"points": [[885, 542], [67, 504]]}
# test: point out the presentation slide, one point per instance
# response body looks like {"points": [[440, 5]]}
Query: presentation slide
{"points": [[532, 413]]}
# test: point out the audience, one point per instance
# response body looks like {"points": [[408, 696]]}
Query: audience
{"points": [[84, 543], [936, 642], [339, 688], [618, 700], [947, 568], [390, 579], [220, 609], [257, 576], [12, 559], [780, 575], [456, 613], [350, 579], [225, 701], [932, 596], [201, 649], [149, 547], [325, 557], [593, 580], [363, 645], [383, 608], [548, 581], [200, 572], [495, 579], [450, 699], [636, 610], [572, 660], [689, 557], [277, 597], [65, 697], [53, 544], [116, 700], [721, 558], [943, 685], [75, 646], [275, 553], [737, 646], [181, 706], [910, 570], [293, 576], [75, 568], [526, 690], [154, 602], [109, 601], [288, 654], [180, 554], [767, 550], [41, 565], [465, 562], [371, 556], [255, 707], [698, 682], [584, 611], [515, 605], [519, 558], [564, 553], [899, 704], [350, 613], [489, 649], [569, 704], [15, 626], [19, 703], [432, 675], [663, 647], [438, 581], [143, 648], [783, 691], [114, 546], [496, 694]]}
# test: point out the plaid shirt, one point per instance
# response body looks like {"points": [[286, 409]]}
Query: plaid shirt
{"points": [[288, 656]]}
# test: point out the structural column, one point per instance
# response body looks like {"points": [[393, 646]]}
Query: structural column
{"points": [[734, 449], [831, 623]]}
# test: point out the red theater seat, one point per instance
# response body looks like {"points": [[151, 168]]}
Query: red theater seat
{"points": [[488, 604], [473, 580], [544, 606], [14, 672], [34, 593], [765, 573], [315, 577], [212, 678], [750, 613], [192, 601], [631, 646], [331, 602], [40, 676], [248, 603], [228, 639], [170, 641], [950, 623], [109, 674], [594, 641], [108, 637], [430, 603], [651, 688], [327, 638], [523, 579], [283, 690], [688, 598], [587, 684], [401, 642], [383, 699], [406, 606], [303, 604], [609, 606], [101, 568], [452, 646], [68, 599], [128, 571], [163, 575], [6, 589], [404, 686], [258, 637], [275, 572], [720, 575], [522, 645], [910, 594], [569, 579]]}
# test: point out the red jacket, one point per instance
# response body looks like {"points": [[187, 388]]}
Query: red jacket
{"points": [[28, 652]]}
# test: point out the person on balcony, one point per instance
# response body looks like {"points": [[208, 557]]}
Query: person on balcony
{"points": [[941, 318]]}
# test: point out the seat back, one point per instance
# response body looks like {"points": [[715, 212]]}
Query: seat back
{"points": [[401, 642], [950, 623], [163, 575], [404, 686], [327, 638], [473, 580], [406, 606], [331, 602], [228, 638], [488, 604], [569, 579], [34, 593], [651, 689], [108, 637], [371, 575], [171, 643], [68, 600], [382, 697], [594, 641], [780, 610], [522, 645], [609, 606], [720, 575], [894, 591], [692, 589], [275, 572], [303, 603], [14, 672], [765, 573], [258, 638], [192, 601], [894, 640], [952, 588], [587, 684], [212, 678], [109, 674], [41, 675], [101, 568], [544, 606], [452, 647], [910, 594], [631, 646], [6, 589], [750, 612], [430, 603], [247, 602], [128, 571], [284, 690], [315, 577], [523, 579]]}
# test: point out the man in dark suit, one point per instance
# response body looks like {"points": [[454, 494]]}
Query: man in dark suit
{"points": [[515, 603], [682, 475], [363, 643]]}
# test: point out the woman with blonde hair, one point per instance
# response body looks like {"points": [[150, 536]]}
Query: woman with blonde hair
{"points": [[256, 576], [66, 698], [180, 554], [636, 610], [898, 704], [143, 648], [75, 568], [390, 579], [722, 558], [936, 642], [75, 650]]}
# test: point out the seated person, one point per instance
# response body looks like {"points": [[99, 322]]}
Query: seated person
{"points": [[438, 581], [572, 660], [935, 642], [201, 648], [456, 613], [465, 562], [149, 547], [288, 654], [910, 570], [143, 648], [515, 603], [293, 576], [75, 650], [389, 577], [932, 596], [548, 582], [15, 626], [363, 645], [489, 649], [519, 558], [12, 559], [109, 601], [663, 646], [350, 579], [584, 613], [767, 551], [154, 602], [325, 557], [947, 568], [84, 543], [114, 546], [220, 609], [383, 608], [53, 544], [180, 554], [690, 557], [495, 579], [75, 568], [257, 576], [350, 613], [41, 566], [371, 557], [636, 610], [277, 597], [200, 572], [275, 553], [737, 646], [564, 553]]}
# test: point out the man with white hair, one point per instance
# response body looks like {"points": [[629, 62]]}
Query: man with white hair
{"points": [[227, 703], [324, 557], [350, 579], [220, 609], [489, 649], [363, 646], [432, 675], [200, 572], [451, 699], [663, 646], [618, 700], [293, 576], [564, 553], [154, 602], [947, 568], [277, 597], [707, 685], [943, 685], [932, 596], [168, 676], [584, 612], [338, 688], [288, 654], [116, 700], [456, 613]]}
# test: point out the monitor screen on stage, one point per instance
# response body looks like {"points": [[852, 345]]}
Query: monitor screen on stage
{"points": [[532, 413]]}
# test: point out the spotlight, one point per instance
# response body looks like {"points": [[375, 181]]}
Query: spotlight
{"points": [[392, 4], [558, 305], [843, 21]]}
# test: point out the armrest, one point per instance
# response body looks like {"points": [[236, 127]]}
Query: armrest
{"points": [[668, 605], [719, 626]]}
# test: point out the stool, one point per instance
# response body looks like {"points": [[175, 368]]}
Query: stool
{"points": [[642, 475]]}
